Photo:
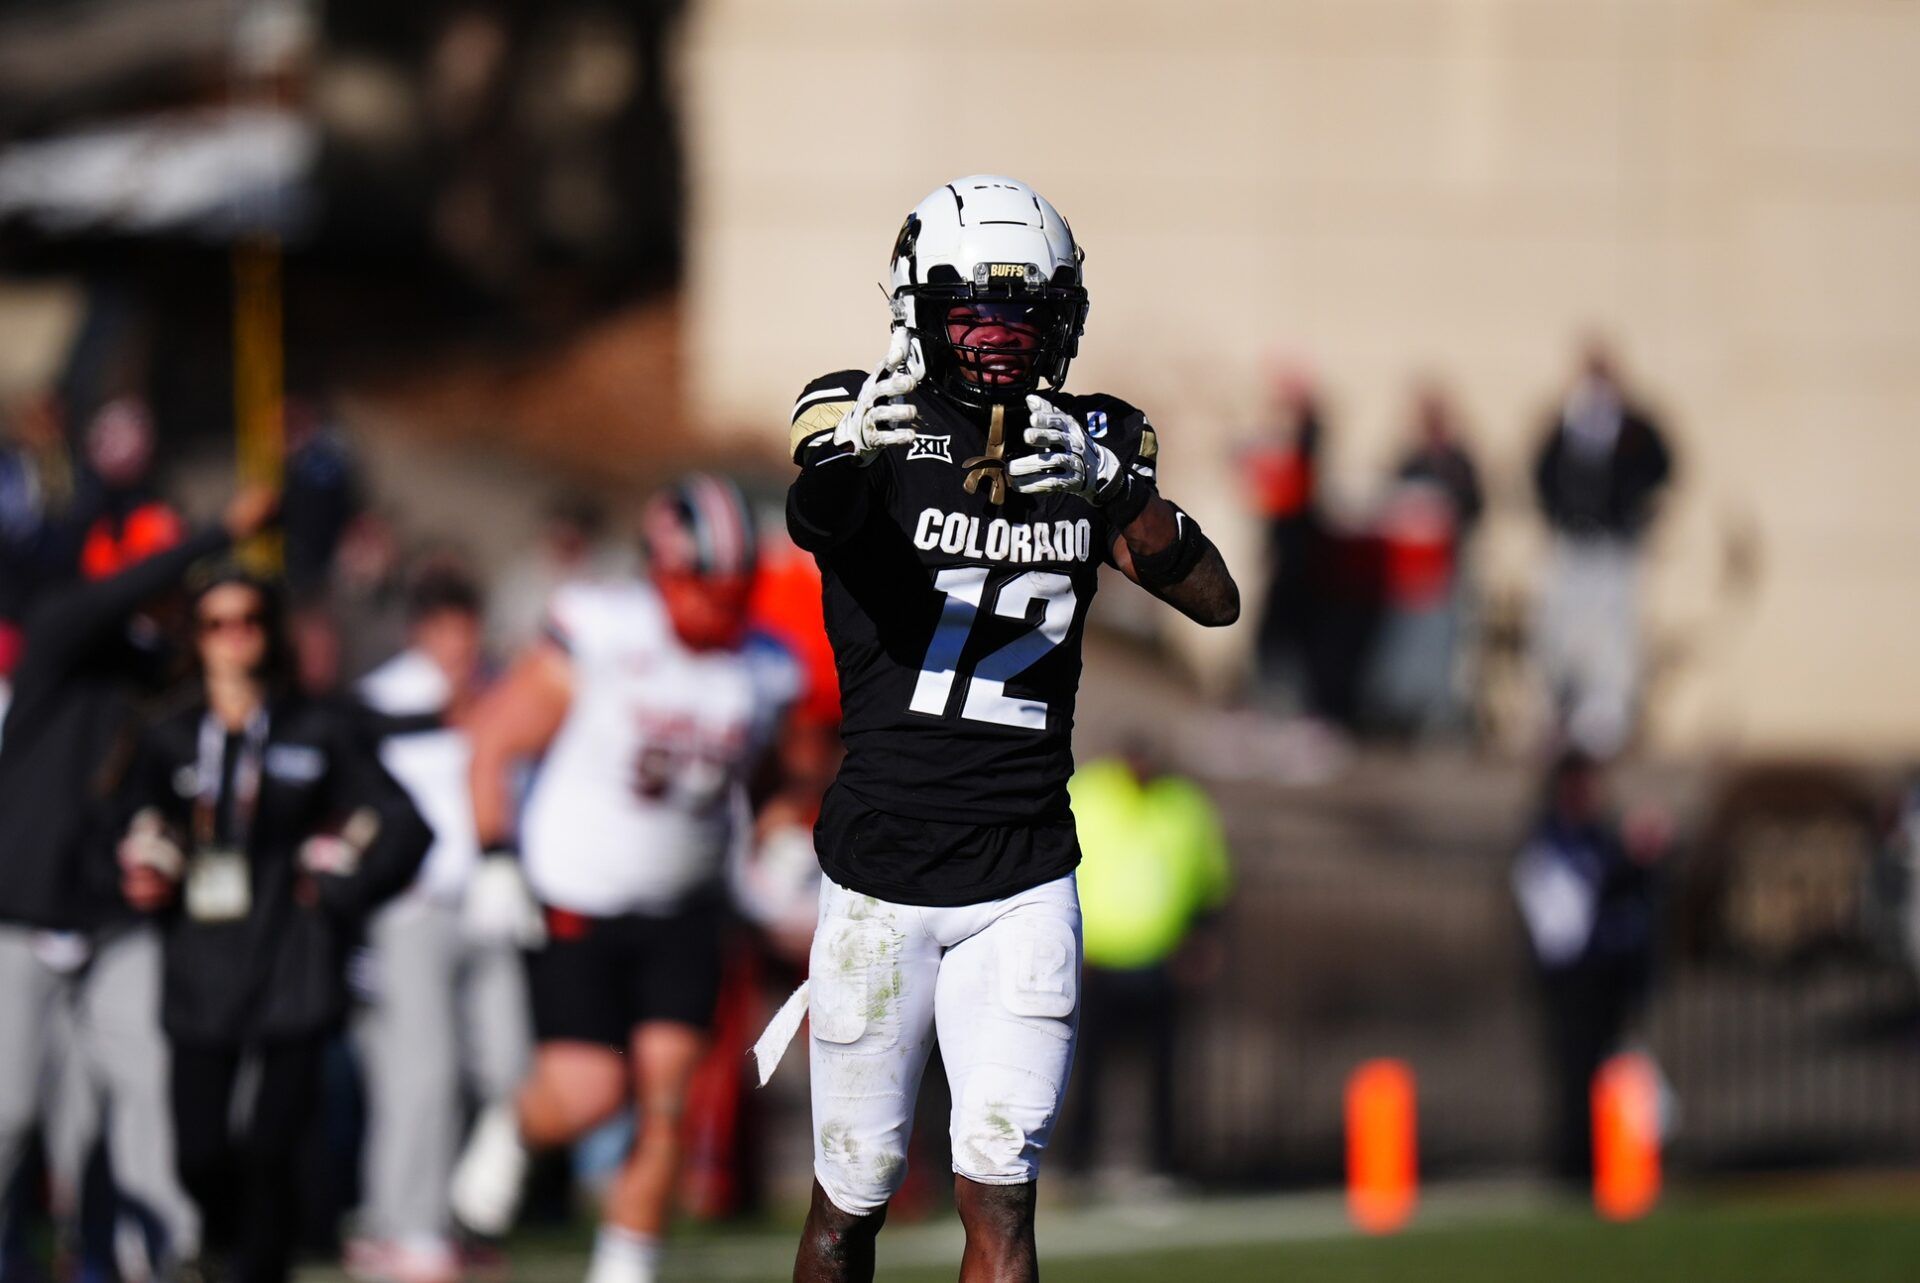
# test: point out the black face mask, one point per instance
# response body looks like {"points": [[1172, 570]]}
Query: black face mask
{"points": [[1048, 319]]}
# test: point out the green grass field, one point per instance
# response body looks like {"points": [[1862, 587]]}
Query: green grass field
{"points": [[1705, 1246], [1849, 1235]]}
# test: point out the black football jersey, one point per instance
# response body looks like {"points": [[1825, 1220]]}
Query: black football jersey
{"points": [[956, 610]]}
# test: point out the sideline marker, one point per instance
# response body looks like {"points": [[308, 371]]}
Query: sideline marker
{"points": [[1626, 1138], [1383, 1176]]}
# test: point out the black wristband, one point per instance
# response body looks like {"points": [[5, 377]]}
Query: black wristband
{"points": [[1128, 501], [1172, 563]]}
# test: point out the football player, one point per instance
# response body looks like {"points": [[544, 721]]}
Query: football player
{"points": [[960, 504], [651, 704]]}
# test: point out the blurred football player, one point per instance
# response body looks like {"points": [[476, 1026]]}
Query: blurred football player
{"points": [[960, 504], [652, 705]]}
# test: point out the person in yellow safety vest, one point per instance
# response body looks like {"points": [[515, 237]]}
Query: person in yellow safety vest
{"points": [[1153, 868]]}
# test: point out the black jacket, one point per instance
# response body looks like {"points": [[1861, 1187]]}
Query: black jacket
{"points": [[1609, 496], [69, 738], [280, 971]]}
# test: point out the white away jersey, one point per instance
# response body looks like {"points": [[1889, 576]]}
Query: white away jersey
{"points": [[635, 801]]}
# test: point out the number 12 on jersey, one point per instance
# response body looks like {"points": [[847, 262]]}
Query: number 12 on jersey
{"points": [[986, 687]]}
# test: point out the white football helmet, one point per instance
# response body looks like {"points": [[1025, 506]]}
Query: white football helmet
{"points": [[996, 247]]}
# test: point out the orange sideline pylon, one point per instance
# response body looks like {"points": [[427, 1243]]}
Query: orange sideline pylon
{"points": [[1383, 1177], [1626, 1138]]}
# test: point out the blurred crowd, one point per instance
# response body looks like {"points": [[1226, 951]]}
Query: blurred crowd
{"points": [[241, 854], [1374, 622]]}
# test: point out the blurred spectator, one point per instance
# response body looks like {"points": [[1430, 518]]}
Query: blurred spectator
{"points": [[1429, 517], [446, 995], [1283, 473], [125, 519], [1322, 611], [317, 647], [1897, 873], [1437, 455], [571, 550], [1153, 868], [323, 495], [39, 546], [261, 875], [1587, 889], [1598, 477], [368, 602], [93, 654]]}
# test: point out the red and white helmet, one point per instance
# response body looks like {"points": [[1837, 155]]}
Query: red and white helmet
{"points": [[699, 526]]}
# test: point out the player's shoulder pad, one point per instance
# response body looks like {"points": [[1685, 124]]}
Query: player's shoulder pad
{"points": [[1119, 426], [820, 407]]}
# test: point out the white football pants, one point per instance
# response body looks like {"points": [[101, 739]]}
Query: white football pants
{"points": [[998, 983]]}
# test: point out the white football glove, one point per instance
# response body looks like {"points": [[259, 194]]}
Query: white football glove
{"points": [[1068, 460], [875, 422], [499, 908]]}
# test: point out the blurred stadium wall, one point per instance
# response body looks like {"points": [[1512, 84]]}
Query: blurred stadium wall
{"points": [[1730, 188], [655, 220]]}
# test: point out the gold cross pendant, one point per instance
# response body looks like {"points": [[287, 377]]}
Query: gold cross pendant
{"points": [[993, 464]]}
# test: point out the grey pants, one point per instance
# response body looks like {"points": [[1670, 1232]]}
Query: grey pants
{"points": [[93, 1033], [1587, 639], [443, 1013]]}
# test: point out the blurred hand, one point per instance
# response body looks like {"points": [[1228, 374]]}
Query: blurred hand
{"points": [[150, 863], [329, 854], [251, 510], [146, 889], [499, 908]]}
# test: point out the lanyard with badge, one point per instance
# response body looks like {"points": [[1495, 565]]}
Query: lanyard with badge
{"points": [[219, 883]]}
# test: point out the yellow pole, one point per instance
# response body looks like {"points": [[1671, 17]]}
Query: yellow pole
{"points": [[259, 371]]}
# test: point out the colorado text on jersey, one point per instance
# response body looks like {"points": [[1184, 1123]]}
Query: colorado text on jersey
{"points": [[960, 534]]}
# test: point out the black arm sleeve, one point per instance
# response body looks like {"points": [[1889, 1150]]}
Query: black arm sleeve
{"points": [[378, 727], [73, 620], [357, 781], [827, 502]]}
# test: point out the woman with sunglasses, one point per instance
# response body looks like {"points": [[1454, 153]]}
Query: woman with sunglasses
{"points": [[263, 830]]}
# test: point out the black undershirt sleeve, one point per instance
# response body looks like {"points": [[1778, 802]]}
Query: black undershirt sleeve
{"points": [[827, 502]]}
